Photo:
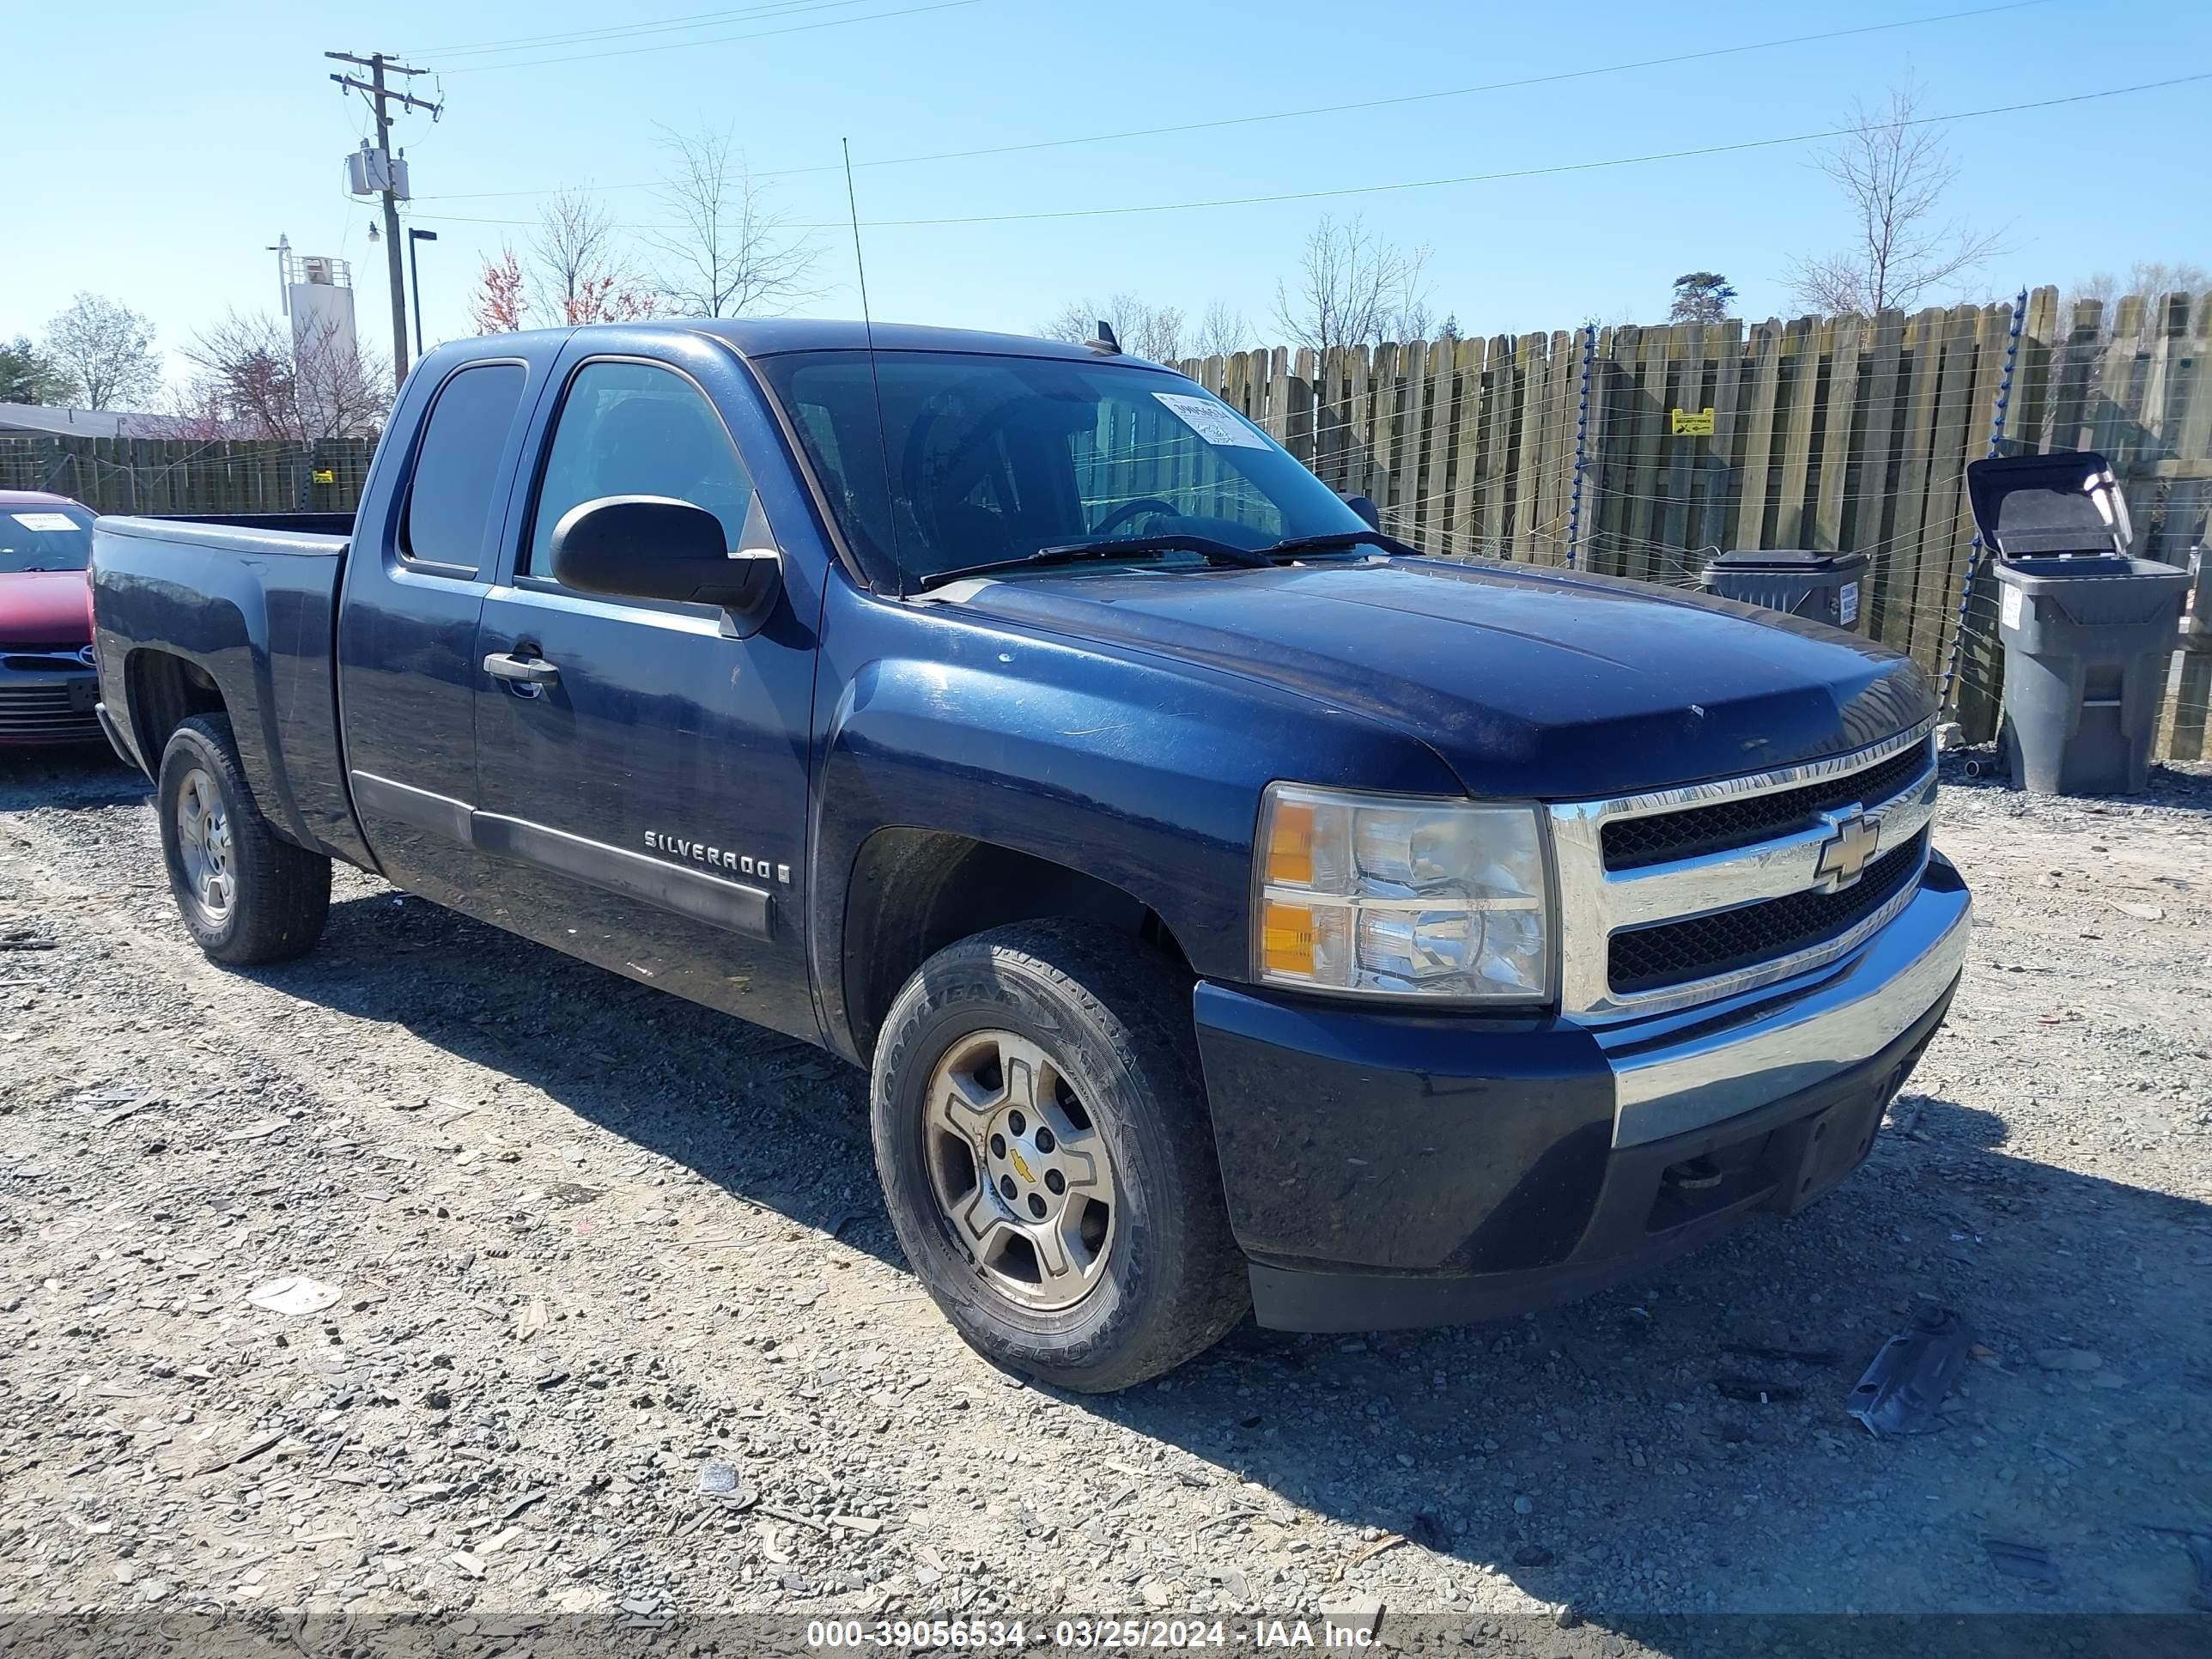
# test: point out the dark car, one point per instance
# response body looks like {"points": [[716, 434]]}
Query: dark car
{"points": [[48, 690]]}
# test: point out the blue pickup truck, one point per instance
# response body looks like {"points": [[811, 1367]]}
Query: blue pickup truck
{"points": [[1232, 908]]}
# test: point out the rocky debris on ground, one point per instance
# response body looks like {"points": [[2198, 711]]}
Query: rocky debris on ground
{"points": [[619, 1328]]}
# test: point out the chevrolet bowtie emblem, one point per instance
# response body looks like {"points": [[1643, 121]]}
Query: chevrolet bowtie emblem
{"points": [[1853, 838]]}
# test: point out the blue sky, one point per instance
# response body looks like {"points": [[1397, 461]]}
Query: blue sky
{"points": [[156, 150]]}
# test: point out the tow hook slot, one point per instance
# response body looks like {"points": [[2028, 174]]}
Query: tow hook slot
{"points": [[1692, 1175]]}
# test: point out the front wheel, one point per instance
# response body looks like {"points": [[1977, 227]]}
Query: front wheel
{"points": [[1042, 1140], [246, 896]]}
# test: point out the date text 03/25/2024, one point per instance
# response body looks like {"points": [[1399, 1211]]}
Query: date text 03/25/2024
{"points": [[1087, 1634]]}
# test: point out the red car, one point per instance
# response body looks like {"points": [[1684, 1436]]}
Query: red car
{"points": [[47, 686]]}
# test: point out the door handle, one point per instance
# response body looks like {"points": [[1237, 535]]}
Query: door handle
{"points": [[523, 671]]}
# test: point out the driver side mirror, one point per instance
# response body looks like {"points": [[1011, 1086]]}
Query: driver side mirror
{"points": [[1369, 514], [652, 547]]}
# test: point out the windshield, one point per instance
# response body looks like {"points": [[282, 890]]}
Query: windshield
{"points": [[43, 538], [992, 458]]}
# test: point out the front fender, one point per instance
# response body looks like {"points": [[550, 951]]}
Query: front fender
{"points": [[1146, 774]]}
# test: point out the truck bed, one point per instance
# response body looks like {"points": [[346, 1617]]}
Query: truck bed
{"points": [[246, 604]]}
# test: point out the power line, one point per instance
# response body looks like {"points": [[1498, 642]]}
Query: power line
{"points": [[713, 41], [696, 20], [1452, 92], [1329, 109], [1430, 184], [1520, 172]]}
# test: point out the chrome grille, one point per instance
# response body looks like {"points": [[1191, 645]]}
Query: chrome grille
{"points": [[1686, 895], [1677, 953], [1636, 843]]}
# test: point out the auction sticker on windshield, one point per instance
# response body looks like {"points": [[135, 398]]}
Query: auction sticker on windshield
{"points": [[45, 520], [1215, 422]]}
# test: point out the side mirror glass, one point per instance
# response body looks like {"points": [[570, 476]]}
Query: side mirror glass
{"points": [[1369, 514], [653, 547]]}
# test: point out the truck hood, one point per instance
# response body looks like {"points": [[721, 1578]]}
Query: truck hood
{"points": [[1528, 682], [45, 607]]}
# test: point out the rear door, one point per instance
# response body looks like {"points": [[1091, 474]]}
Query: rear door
{"points": [[648, 805], [425, 545]]}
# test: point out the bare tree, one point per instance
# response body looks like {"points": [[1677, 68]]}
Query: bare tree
{"points": [[582, 276], [1354, 289], [2167, 277], [1147, 330], [2149, 277], [570, 248], [730, 253], [1413, 318], [1894, 169], [260, 378], [1221, 330], [105, 351]]}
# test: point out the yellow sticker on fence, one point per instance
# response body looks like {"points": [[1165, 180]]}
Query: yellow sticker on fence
{"points": [[1692, 422], [325, 475]]}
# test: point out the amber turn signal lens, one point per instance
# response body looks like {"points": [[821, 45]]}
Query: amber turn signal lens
{"points": [[1287, 939], [1291, 845]]}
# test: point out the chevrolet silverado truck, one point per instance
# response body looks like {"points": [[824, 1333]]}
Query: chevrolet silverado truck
{"points": [[1231, 906]]}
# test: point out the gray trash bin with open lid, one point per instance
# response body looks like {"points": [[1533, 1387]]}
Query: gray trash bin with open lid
{"points": [[2088, 632], [1824, 586]]}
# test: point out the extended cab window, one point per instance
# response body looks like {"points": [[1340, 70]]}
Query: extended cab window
{"points": [[636, 429], [457, 470]]}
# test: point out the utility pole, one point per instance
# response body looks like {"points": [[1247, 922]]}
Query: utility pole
{"points": [[377, 64]]}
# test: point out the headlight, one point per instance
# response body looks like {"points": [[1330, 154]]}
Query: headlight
{"points": [[1401, 896]]}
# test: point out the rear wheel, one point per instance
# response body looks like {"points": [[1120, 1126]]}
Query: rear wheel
{"points": [[1045, 1152], [246, 896]]}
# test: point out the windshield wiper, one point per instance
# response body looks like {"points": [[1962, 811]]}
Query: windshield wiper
{"points": [[1116, 547], [1338, 541]]}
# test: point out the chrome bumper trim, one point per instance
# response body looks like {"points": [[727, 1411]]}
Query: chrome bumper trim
{"points": [[1665, 1086]]}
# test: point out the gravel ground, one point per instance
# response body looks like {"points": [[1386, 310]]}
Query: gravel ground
{"points": [[620, 1326]]}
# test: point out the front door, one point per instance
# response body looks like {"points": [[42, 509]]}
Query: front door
{"points": [[645, 793]]}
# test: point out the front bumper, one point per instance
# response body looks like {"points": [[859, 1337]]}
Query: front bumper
{"points": [[1385, 1169], [46, 699]]}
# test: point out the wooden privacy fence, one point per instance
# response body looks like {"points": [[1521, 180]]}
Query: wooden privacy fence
{"points": [[1838, 433], [1827, 433], [182, 476]]}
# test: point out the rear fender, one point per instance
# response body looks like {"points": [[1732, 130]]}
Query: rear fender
{"points": [[244, 622]]}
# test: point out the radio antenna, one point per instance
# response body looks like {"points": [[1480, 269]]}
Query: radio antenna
{"points": [[875, 374]]}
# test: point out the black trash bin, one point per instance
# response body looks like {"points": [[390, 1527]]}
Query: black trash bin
{"points": [[1824, 586], [2088, 632]]}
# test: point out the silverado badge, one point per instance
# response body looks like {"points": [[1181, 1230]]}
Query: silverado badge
{"points": [[714, 858]]}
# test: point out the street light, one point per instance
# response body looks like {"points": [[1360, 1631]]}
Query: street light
{"points": [[415, 275]]}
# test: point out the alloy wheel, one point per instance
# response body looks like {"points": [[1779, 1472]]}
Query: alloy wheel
{"points": [[1021, 1175], [203, 839]]}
